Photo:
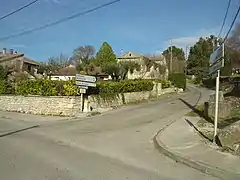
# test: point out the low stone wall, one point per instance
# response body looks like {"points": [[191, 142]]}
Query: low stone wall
{"points": [[72, 106], [59, 106], [103, 103]]}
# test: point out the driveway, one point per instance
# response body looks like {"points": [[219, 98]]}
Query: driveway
{"points": [[115, 145]]}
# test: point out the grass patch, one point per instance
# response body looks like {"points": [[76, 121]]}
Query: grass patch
{"points": [[95, 113], [195, 113]]}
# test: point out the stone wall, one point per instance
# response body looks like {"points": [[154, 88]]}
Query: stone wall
{"points": [[103, 103], [60, 106], [72, 106]]}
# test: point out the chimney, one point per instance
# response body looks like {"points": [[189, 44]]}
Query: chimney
{"points": [[11, 51], [4, 51]]}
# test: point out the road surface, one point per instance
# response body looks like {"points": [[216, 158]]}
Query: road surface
{"points": [[112, 146]]}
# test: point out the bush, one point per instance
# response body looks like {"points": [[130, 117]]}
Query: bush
{"points": [[124, 86], [45, 87], [3, 87], [209, 83], [178, 80]]}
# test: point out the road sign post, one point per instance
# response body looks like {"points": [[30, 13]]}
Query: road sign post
{"points": [[83, 82], [217, 62]]}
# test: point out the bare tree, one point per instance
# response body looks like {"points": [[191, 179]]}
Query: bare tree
{"points": [[53, 64], [83, 54]]}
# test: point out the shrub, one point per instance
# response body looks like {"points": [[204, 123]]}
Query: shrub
{"points": [[178, 80], [3, 87], [209, 83], [124, 86], [45, 87]]}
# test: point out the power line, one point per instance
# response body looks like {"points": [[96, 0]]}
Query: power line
{"points": [[232, 24], [225, 17], [19, 9], [59, 21]]}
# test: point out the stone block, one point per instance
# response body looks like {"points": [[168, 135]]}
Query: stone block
{"points": [[224, 109]]}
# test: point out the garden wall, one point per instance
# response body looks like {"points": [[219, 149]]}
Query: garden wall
{"points": [[42, 105], [101, 103], [71, 105]]}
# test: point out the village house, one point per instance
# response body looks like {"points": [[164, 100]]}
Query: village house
{"points": [[69, 73], [145, 71], [17, 62]]}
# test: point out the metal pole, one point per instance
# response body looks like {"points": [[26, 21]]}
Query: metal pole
{"points": [[216, 106], [171, 56], [82, 102], [186, 59]]}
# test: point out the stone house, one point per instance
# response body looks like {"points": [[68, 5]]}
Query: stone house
{"points": [[147, 68], [17, 62], [65, 74], [69, 73]]}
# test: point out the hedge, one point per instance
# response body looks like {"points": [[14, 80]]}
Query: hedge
{"points": [[45, 87], [178, 80], [124, 86]]}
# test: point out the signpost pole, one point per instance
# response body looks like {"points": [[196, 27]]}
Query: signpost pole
{"points": [[216, 106], [217, 98], [81, 101]]}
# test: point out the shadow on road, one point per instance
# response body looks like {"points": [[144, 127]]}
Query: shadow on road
{"points": [[198, 131], [17, 131], [201, 113]]}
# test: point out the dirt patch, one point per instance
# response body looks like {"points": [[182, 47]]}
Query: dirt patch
{"points": [[228, 128]]}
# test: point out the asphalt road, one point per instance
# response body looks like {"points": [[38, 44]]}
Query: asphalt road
{"points": [[115, 145]]}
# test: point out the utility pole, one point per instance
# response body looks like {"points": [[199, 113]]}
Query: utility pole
{"points": [[171, 55], [186, 57]]}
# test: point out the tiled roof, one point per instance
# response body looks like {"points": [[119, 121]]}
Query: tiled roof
{"points": [[66, 71], [7, 57]]}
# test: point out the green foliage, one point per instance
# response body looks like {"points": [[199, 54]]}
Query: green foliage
{"points": [[199, 55], [178, 80], [209, 83], [3, 72], [105, 55], [178, 59], [126, 66], [112, 69], [112, 87], [70, 89], [3, 86], [44, 87]]}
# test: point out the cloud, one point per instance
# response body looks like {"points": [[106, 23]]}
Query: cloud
{"points": [[53, 1], [19, 46], [190, 40]]}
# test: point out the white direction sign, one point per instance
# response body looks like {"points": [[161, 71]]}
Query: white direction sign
{"points": [[83, 87], [217, 59], [81, 83], [85, 78], [216, 67], [217, 54]]}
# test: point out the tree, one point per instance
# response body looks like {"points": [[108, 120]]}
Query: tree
{"points": [[199, 55], [125, 67], [178, 58], [83, 54], [105, 55], [232, 51], [53, 64]]}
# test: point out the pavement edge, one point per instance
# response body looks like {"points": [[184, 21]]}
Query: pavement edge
{"points": [[202, 167]]}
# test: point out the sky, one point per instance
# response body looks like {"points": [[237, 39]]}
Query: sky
{"points": [[141, 26]]}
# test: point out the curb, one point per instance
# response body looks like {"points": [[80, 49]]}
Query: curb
{"points": [[204, 168]]}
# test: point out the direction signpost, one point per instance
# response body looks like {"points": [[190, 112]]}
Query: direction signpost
{"points": [[83, 82], [216, 63]]}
